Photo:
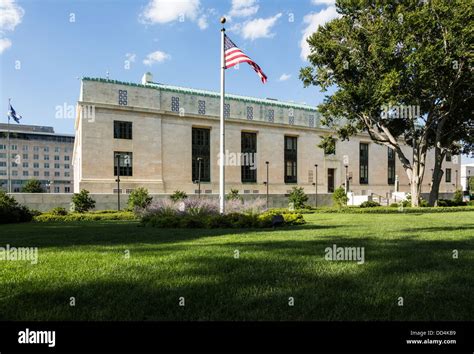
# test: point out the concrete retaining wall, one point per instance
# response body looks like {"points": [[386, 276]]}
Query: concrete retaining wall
{"points": [[47, 201]]}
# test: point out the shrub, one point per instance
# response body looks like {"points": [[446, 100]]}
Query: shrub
{"points": [[82, 201], [450, 203], [254, 206], [234, 195], [298, 197], [339, 197], [91, 216], [139, 198], [394, 205], [178, 195], [198, 207], [58, 211], [33, 186], [11, 211], [457, 198], [229, 220], [369, 204]]}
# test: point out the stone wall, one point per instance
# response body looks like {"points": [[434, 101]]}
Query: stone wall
{"points": [[47, 201]]}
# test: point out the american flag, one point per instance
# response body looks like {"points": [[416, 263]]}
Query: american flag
{"points": [[233, 56]]}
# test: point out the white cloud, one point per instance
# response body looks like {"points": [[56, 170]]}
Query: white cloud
{"points": [[243, 8], [11, 16], [164, 11], [324, 2], [131, 57], [155, 57], [313, 21], [284, 77], [5, 43], [202, 22], [258, 28]]}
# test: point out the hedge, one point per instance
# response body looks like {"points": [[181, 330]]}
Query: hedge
{"points": [[226, 221], [91, 216], [391, 210]]}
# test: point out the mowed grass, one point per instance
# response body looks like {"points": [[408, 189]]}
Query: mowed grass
{"points": [[406, 255]]}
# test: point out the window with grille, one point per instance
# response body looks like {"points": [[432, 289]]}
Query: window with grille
{"points": [[271, 115], [363, 163], [291, 159], [201, 155], [122, 98], [311, 121], [250, 113], [122, 130], [174, 104], [201, 107], [124, 160], [226, 110], [248, 143]]}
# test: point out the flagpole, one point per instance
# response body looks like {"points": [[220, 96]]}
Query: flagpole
{"points": [[9, 186], [222, 127]]}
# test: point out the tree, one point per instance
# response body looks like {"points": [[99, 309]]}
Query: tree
{"points": [[298, 197], [340, 197], [33, 186], [328, 144], [82, 201], [402, 75], [139, 198]]}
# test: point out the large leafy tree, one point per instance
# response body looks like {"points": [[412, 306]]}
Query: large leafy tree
{"points": [[385, 56]]}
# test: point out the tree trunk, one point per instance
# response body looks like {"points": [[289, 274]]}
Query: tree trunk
{"points": [[437, 176]]}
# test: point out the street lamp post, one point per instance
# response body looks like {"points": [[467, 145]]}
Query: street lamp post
{"points": [[346, 184], [456, 179], [266, 182], [118, 181], [315, 186]]}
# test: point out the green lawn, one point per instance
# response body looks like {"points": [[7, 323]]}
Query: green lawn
{"points": [[406, 255]]}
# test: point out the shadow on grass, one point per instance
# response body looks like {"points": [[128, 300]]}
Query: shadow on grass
{"points": [[258, 285], [113, 233]]}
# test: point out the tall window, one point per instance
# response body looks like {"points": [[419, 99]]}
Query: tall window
{"points": [[290, 159], [201, 154], [391, 166], [448, 157], [363, 163], [122, 130], [126, 163], [448, 175], [248, 143]]}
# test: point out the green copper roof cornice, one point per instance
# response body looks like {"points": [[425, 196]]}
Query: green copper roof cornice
{"points": [[205, 93]]}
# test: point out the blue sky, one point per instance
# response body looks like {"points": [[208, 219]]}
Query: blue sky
{"points": [[184, 35], [47, 45]]}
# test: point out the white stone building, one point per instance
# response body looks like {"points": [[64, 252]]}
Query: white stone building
{"points": [[167, 138]]}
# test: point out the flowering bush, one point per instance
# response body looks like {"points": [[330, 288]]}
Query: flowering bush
{"points": [[204, 213]]}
